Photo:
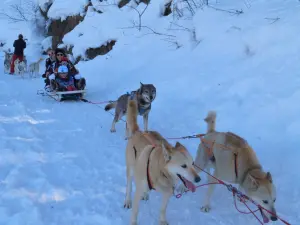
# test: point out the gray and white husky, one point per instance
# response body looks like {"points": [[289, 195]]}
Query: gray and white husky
{"points": [[144, 96], [7, 61], [20, 67]]}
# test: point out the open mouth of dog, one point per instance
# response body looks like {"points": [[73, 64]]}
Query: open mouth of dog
{"points": [[188, 184], [265, 218]]}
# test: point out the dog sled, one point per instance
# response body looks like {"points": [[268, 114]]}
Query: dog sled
{"points": [[63, 95], [65, 87]]}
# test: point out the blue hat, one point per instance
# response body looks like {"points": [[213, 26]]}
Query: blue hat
{"points": [[63, 69]]}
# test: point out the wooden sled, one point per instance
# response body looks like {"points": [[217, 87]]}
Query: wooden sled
{"points": [[67, 95]]}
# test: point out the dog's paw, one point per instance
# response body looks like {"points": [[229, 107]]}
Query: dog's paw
{"points": [[113, 130], [205, 208], [133, 223], [127, 204], [145, 197], [163, 223]]}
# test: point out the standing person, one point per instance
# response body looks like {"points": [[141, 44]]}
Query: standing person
{"points": [[19, 46]]}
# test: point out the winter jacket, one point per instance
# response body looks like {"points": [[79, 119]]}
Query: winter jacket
{"points": [[19, 45], [50, 65]]}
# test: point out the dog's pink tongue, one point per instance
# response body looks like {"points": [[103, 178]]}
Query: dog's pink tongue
{"points": [[265, 218], [189, 185]]}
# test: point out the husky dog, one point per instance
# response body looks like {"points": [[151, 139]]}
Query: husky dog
{"points": [[235, 161], [20, 67], [7, 61], [34, 68], [155, 164], [144, 96]]}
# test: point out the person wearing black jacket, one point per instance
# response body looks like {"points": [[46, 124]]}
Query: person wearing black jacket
{"points": [[19, 46], [49, 66]]}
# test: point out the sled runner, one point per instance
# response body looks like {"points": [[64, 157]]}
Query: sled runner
{"points": [[63, 95], [67, 95]]}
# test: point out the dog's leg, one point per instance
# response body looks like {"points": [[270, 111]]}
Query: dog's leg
{"points": [[136, 204], [113, 125], [127, 135], [129, 173], [145, 196], [201, 159], [206, 207], [164, 204], [145, 117]]}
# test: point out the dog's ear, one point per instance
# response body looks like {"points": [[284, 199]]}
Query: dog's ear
{"points": [[141, 84], [178, 145], [253, 183], [166, 152], [269, 177]]}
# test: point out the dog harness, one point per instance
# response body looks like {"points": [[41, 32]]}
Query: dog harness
{"points": [[209, 150], [150, 184]]}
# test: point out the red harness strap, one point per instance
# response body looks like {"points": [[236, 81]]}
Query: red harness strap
{"points": [[236, 165], [209, 151], [150, 184]]}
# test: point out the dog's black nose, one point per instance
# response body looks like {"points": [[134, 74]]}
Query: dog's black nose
{"points": [[197, 179], [151, 97], [273, 218]]}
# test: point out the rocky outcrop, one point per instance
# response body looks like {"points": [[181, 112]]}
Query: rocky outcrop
{"points": [[57, 29], [167, 9], [91, 53], [145, 1], [123, 3]]}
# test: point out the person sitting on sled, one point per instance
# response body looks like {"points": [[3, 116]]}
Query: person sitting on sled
{"points": [[64, 81], [61, 59], [49, 66]]}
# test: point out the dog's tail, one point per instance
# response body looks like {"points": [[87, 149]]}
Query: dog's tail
{"points": [[110, 106], [211, 121], [131, 116]]}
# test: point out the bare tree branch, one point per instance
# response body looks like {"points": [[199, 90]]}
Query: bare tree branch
{"points": [[152, 31], [173, 43], [140, 14], [231, 11], [274, 20], [21, 12]]}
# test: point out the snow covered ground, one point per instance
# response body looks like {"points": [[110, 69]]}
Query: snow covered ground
{"points": [[59, 163]]}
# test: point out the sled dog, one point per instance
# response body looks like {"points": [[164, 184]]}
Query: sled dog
{"points": [[155, 165], [20, 67], [7, 61], [34, 68], [235, 161], [144, 96]]}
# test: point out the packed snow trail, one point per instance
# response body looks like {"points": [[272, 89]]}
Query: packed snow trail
{"points": [[61, 165]]}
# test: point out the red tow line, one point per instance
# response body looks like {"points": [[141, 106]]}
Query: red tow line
{"points": [[242, 198]]}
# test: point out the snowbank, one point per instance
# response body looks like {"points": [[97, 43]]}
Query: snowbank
{"points": [[97, 30], [60, 9]]}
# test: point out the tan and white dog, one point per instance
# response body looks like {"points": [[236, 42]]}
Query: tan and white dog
{"points": [[234, 161], [20, 67], [34, 68], [155, 164]]}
